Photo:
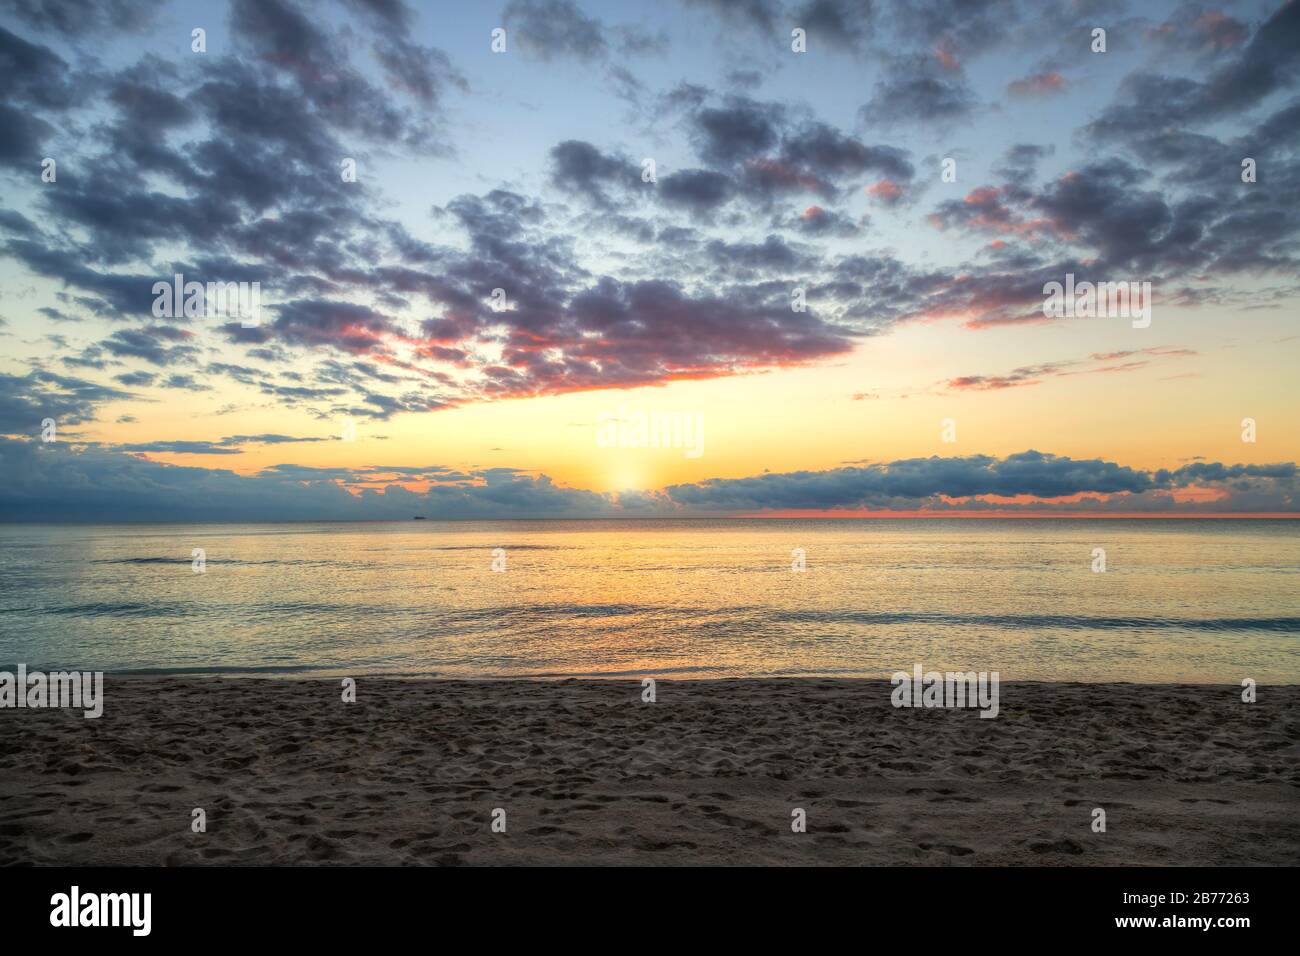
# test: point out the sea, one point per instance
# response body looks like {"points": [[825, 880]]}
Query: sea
{"points": [[1164, 601]]}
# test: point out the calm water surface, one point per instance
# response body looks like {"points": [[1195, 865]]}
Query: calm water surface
{"points": [[1200, 601]]}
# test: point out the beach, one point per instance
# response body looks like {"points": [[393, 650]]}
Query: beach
{"points": [[588, 773]]}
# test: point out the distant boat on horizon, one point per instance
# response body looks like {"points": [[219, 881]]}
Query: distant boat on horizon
{"points": [[419, 518]]}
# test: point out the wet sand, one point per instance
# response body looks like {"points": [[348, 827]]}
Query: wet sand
{"points": [[709, 774]]}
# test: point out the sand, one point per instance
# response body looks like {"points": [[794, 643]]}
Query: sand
{"points": [[709, 774]]}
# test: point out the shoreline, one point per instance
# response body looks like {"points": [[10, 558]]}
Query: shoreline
{"points": [[336, 675], [710, 773]]}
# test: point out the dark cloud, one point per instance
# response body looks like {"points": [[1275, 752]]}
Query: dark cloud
{"points": [[284, 38], [739, 130], [179, 448], [831, 153], [345, 326], [34, 75], [559, 29], [817, 158], [63, 483], [112, 215], [761, 14], [70, 482], [838, 24], [751, 260], [817, 222], [551, 28], [754, 151], [1020, 162], [699, 191], [1037, 85], [143, 105], [135, 378], [914, 481], [423, 72], [1111, 218], [961, 28], [79, 18], [998, 209], [1269, 63], [160, 345], [919, 89], [393, 15], [1193, 29], [34, 79], [777, 152], [185, 382], [580, 167], [1101, 363], [22, 138], [235, 161], [26, 400], [1206, 472], [231, 445]]}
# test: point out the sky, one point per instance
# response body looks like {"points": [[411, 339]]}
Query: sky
{"points": [[498, 247]]}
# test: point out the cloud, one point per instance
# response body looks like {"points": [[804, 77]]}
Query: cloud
{"points": [[911, 482], [832, 154], [769, 151], [231, 445], [555, 29], [26, 400], [1191, 29], [550, 28], [151, 344], [23, 137], [62, 483], [423, 72], [388, 14], [1127, 360], [815, 221], [69, 482], [1266, 65], [580, 167], [838, 24], [739, 130], [35, 80], [1037, 85], [1020, 162], [345, 326], [885, 191], [698, 191], [611, 282], [284, 38], [918, 89], [760, 14], [79, 18]]}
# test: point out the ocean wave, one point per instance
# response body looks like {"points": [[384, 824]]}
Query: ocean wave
{"points": [[518, 615], [1029, 621]]}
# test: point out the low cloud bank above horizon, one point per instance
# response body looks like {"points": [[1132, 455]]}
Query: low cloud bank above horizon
{"points": [[67, 482]]}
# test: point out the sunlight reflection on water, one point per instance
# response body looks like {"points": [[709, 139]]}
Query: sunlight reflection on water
{"points": [[1180, 601]]}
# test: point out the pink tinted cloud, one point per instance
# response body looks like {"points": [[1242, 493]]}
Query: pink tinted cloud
{"points": [[1039, 84], [1220, 31], [886, 191]]}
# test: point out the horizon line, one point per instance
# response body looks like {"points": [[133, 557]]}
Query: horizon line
{"points": [[766, 516]]}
